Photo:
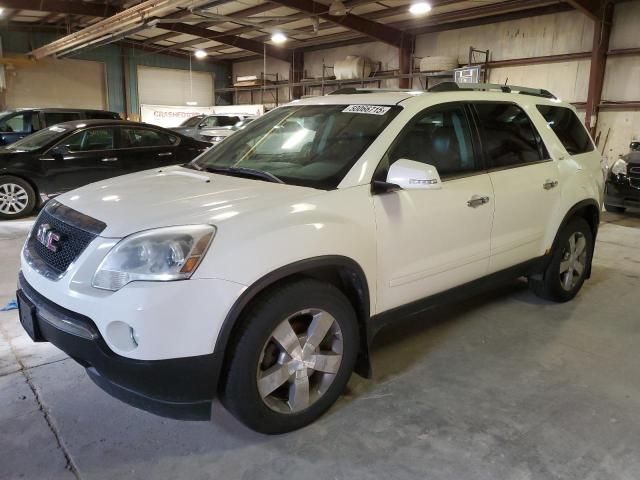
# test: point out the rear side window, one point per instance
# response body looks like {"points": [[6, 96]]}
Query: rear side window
{"points": [[143, 137], [53, 118], [568, 128], [509, 138]]}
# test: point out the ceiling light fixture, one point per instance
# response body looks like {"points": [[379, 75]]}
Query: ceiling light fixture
{"points": [[1, 10], [420, 8], [200, 54], [337, 8], [278, 37]]}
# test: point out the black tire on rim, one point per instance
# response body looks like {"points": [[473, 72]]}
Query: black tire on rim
{"points": [[291, 357], [570, 261], [614, 209], [17, 198]]}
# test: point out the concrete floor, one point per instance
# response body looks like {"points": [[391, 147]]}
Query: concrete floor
{"points": [[504, 386]]}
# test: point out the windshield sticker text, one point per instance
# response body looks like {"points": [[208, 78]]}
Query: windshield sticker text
{"points": [[368, 109]]}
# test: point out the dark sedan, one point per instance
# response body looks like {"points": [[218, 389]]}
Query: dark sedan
{"points": [[73, 154], [623, 183]]}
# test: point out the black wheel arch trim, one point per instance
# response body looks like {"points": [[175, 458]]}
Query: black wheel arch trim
{"points": [[300, 267], [593, 223]]}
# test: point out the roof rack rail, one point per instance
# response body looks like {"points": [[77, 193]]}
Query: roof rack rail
{"points": [[453, 86], [354, 90]]}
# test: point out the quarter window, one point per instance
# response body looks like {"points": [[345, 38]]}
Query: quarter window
{"points": [[508, 136], [441, 137], [568, 128], [89, 140]]}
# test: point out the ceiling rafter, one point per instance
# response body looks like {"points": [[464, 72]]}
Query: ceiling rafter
{"points": [[63, 6]]}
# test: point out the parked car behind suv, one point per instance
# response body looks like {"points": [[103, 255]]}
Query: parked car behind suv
{"points": [[72, 154], [17, 124], [622, 189], [217, 134], [194, 126], [261, 271]]}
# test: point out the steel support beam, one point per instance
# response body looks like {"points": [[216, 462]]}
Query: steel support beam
{"points": [[593, 8], [231, 40], [601, 34], [377, 31], [65, 7]]}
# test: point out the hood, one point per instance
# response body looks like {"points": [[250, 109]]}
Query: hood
{"points": [[175, 196], [632, 157]]}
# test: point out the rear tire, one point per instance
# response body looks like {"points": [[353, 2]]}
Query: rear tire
{"points": [[292, 357], [570, 261], [614, 209], [17, 198]]}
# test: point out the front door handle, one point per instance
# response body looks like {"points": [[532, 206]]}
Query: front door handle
{"points": [[549, 184], [165, 154], [110, 159], [477, 200]]}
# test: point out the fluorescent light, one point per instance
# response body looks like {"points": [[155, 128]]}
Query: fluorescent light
{"points": [[192, 104], [201, 54], [1, 10], [278, 37], [420, 8]]}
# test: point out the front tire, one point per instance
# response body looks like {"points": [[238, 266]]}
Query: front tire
{"points": [[293, 356], [17, 198], [570, 261]]}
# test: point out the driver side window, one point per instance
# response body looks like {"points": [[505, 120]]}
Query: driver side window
{"points": [[439, 136]]}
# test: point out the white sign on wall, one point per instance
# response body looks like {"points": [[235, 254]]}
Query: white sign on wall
{"points": [[170, 116], [251, 110]]}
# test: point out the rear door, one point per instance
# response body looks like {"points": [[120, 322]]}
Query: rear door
{"points": [[87, 156], [143, 148], [525, 182]]}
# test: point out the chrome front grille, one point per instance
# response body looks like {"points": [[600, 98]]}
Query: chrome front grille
{"points": [[59, 235]]}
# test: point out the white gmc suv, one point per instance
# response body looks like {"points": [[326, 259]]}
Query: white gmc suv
{"points": [[260, 272]]}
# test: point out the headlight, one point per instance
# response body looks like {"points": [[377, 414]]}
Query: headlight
{"points": [[159, 255], [619, 167]]}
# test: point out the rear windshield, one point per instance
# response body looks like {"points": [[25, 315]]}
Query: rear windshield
{"points": [[39, 139], [192, 122], [568, 128], [308, 145]]}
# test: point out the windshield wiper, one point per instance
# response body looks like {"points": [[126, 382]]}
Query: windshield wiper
{"points": [[242, 171]]}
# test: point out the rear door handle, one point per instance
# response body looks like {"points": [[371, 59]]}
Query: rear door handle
{"points": [[165, 154], [549, 184], [477, 200], [110, 159]]}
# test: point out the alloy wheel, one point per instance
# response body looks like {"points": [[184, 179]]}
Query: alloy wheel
{"points": [[574, 261], [13, 199], [299, 361]]}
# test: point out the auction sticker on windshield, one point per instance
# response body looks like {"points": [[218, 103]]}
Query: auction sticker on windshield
{"points": [[368, 109]]}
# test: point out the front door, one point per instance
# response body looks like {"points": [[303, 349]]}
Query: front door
{"points": [[432, 240], [84, 157], [525, 181]]}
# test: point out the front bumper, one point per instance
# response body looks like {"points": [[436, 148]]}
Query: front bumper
{"points": [[181, 388], [622, 192]]}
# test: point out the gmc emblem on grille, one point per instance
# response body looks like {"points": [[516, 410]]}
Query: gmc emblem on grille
{"points": [[48, 237]]}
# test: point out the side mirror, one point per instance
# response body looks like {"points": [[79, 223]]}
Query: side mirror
{"points": [[412, 175], [58, 152], [634, 145]]}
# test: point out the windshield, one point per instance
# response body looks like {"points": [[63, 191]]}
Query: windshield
{"points": [[39, 139], [308, 145], [192, 122]]}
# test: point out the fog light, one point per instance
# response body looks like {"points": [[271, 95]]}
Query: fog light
{"points": [[122, 336]]}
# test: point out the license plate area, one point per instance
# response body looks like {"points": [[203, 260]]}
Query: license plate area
{"points": [[28, 318]]}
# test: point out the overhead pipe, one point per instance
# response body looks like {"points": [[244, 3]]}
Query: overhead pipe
{"points": [[120, 21]]}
